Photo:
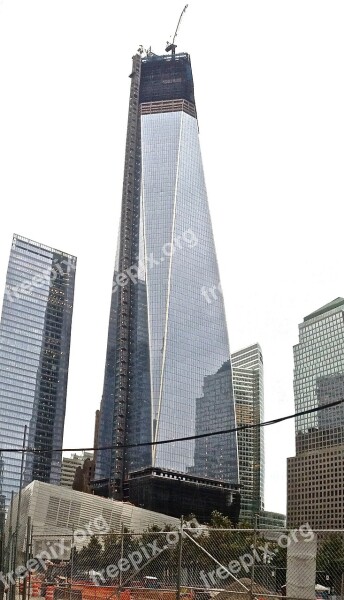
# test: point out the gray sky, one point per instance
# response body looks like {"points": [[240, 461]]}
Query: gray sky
{"points": [[270, 96]]}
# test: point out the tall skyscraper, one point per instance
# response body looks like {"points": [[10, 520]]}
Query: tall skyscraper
{"points": [[316, 473], [248, 385], [167, 331], [34, 355]]}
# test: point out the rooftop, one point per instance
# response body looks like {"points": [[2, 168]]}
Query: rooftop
{"points": [[326, 308]]}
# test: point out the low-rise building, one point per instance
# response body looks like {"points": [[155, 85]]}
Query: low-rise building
{"points": [[60, 513]]}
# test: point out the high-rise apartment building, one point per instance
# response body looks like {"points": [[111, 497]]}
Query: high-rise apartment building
{"points": [[34, 355], [316, 473], [167, 334], [248, 383]]}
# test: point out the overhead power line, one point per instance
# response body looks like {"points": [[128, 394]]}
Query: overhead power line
{"points": [[180, 439]]}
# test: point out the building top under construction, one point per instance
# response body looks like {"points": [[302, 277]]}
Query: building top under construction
{"points": [[166, 77]]}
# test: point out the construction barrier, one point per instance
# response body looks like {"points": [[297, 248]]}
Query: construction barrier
{"points": [[35, 589], [99, 592], [268, 564], [49, 592], [149, 594], [95, 592], [65, 593]]}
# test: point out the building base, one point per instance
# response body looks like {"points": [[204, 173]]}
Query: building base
{"points": [[178, 494]]}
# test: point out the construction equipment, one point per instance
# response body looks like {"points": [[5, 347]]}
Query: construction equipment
{"points": [[172, 46]]}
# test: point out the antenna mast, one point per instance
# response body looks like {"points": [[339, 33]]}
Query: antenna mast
{"points": [[172, 46]]}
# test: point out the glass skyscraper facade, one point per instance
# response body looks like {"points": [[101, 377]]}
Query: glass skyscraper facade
{"points": [[212, 457], [2, 499], [316, 473], [35, 334], [248, 382], [167, 334], [319, 377]]}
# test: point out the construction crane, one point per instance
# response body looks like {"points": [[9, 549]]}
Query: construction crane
{"points": [[172, 46]]}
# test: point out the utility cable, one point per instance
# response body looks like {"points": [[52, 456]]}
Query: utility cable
{"points": [[180, 439]]}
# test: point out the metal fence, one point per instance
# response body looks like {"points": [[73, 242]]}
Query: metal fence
{"points": [[186, 563]]}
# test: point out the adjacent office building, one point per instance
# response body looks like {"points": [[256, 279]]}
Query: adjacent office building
{"points": [[271, 520], [34, 355], [84, 475], [316, 473], [167, 337], [248, 385], [211, 455], [70, 465]]}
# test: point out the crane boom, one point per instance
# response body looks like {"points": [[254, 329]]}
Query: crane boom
{"points": [[172, 46], [180, 18]]}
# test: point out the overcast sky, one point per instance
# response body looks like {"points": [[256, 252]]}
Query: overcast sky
{"points": [[270, 95]]}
